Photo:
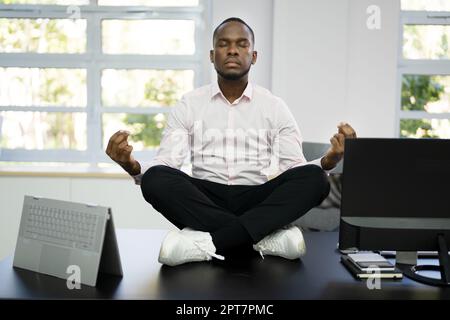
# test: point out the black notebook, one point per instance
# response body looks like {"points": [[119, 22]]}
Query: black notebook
{"points": [[361, 274]]}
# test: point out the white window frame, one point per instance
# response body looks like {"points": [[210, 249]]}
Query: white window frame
{"points": [[419, 66], [94, 61]]}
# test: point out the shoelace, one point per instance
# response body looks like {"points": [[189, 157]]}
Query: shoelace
{"points": [[261, 254], [208, 253], [273, 244]]}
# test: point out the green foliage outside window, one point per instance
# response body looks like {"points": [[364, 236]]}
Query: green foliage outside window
{"points": [[417, 92], [148, 129]]}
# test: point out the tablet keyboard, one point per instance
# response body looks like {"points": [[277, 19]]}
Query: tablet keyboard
{"points": [[63, 227]]}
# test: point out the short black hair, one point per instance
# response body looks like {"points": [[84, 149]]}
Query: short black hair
{"points": [[234, 19]]}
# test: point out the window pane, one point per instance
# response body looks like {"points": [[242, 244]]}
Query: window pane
{"points": [[148, 36], [43, 130], [425, 128], [144, 88], [146, 129], [42, 87], [426, 93], [154, 3], [60, 2], [429, 5], [426, 42], [42, 35]]}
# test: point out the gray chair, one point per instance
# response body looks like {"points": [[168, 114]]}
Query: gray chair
{"points": [[324, 217]]}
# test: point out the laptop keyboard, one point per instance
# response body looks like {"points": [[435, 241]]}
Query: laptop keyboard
{"points": [[63, 227]]}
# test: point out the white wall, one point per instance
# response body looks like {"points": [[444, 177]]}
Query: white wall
{"points": [[329, 67], [372, 69]]}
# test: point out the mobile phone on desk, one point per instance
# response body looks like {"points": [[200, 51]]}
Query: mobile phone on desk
{"points": [[370, 272], [370, 261]]}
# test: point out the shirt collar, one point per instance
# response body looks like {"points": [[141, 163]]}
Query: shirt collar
{"points": [[248, 92]]}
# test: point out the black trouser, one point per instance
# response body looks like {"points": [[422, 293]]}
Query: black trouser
{"points": [[235, 215]]}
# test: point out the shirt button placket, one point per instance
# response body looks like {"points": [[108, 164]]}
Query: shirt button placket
{"points": [[230, 144]]}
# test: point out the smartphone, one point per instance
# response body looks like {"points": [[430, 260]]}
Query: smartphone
{"points": [[369, 261]]}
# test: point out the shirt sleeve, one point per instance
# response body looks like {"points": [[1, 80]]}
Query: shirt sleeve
{"points": [[174, 145], [287, 144]]}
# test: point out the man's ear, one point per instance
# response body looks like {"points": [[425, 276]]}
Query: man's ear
{"points": [[255, 56], [211, 56]]}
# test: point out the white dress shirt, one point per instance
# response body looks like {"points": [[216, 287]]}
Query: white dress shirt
{"points": [[241, 143]]}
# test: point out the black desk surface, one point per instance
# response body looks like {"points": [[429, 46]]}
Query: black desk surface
{"points": [[319, 275]]}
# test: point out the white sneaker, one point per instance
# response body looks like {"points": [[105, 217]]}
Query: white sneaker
{"points": [[181, 247], [287, 243], [193, 234]]}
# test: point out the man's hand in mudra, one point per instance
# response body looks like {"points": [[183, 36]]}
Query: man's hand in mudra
{"points": [[120, 151], [336, 151]]}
